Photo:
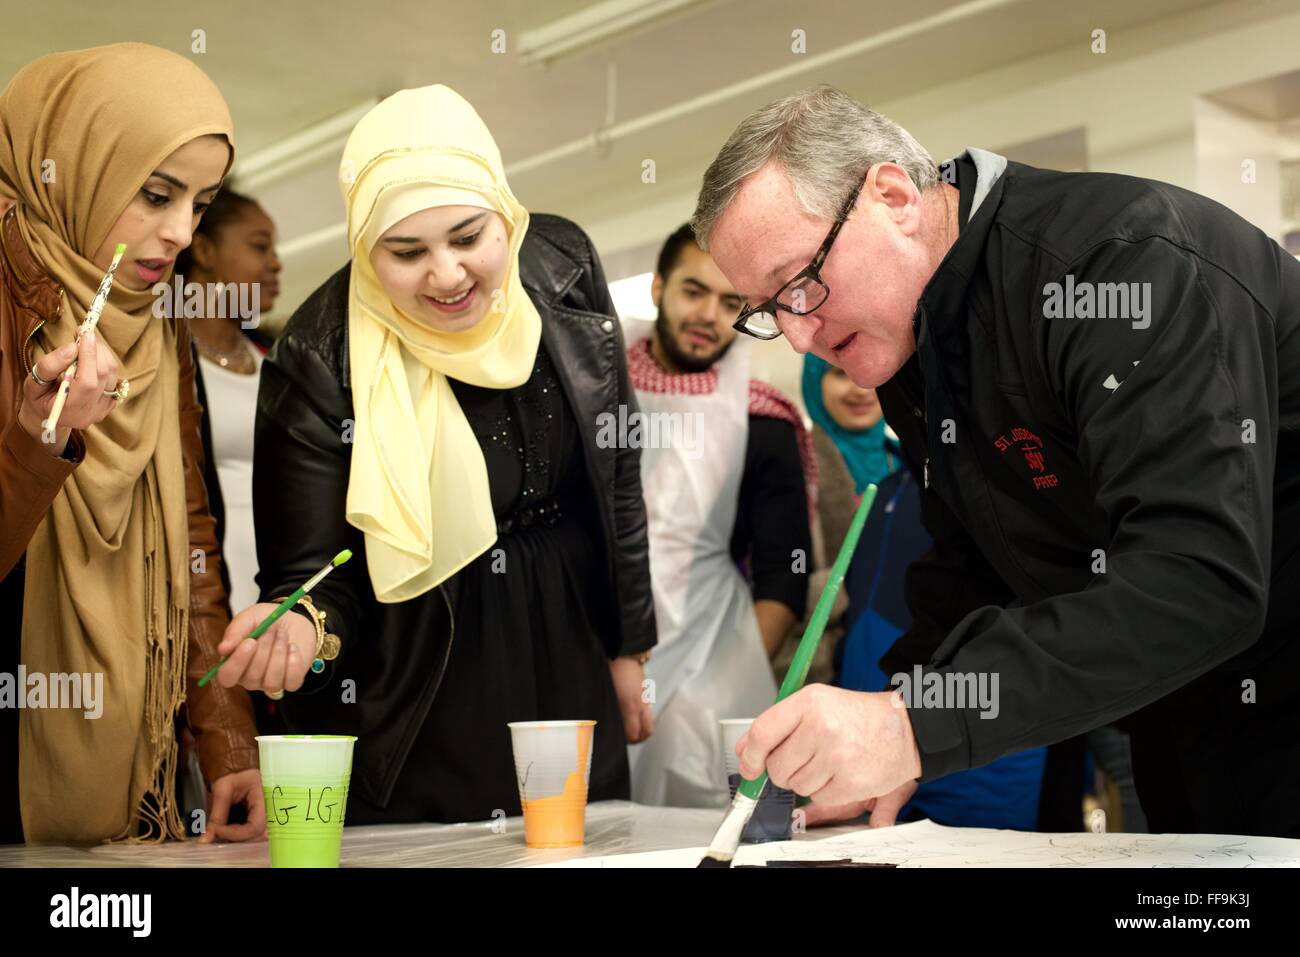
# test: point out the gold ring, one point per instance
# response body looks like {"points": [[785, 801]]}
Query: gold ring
{"points": [[36, 376], [274, 695], [121, 392]]}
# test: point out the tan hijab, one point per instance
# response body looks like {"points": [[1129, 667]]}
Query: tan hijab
{"points": [[107, 584], [418, 485]]}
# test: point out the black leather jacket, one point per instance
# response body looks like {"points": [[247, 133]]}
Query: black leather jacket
{"points": [[396, 654]]}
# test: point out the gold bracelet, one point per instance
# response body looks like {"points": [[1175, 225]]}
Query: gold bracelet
{"points": [[327, 645]]}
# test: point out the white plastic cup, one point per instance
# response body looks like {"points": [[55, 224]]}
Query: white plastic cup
{"points": [[305, 780], [553, 769], [733, 729], [772, 820]]}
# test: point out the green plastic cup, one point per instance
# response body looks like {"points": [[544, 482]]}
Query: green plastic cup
{"points": [[305, 780]]}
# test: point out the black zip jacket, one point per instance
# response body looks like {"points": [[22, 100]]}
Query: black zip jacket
{"points": [[300, 478], [1114, 502]]}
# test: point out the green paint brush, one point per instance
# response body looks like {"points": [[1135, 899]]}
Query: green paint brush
{"points": [[284, 606], [727, 839]]}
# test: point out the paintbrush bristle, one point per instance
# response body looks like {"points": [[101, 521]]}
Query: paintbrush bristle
{"points": [[722, 849]]}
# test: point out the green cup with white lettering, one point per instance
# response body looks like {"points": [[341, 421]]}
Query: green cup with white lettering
{"points": [[305, 779]]}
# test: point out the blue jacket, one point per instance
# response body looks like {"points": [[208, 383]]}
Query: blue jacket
{"points": [[1002, 794]]}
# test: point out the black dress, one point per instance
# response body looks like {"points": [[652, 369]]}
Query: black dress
{"points": [[527, 620]]}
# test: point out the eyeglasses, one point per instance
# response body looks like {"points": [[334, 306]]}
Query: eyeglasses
{"points": [[803, 294]]}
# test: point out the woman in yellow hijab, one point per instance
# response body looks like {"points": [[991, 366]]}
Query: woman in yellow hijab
{"points": [[111, 574], [435, 407]]}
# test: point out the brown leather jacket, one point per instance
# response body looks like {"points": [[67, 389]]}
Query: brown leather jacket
{"points": [[220, 718]]}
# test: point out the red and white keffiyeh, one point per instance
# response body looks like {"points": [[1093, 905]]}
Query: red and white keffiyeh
{"points": [[765, 400]]}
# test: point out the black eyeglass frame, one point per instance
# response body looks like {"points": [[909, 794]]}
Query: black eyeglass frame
{"points": [[811, 271]]}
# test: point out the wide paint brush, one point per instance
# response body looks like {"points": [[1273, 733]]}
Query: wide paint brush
{"points": [[722, 850]]}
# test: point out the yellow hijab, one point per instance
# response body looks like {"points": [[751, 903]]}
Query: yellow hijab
{"points": [[107, 580], [418, 486]]}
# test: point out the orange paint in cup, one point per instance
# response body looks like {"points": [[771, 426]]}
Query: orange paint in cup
{"points": [[555, 820]]}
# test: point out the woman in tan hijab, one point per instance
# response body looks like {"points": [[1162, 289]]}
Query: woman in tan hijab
{"points": [[107, 556]]}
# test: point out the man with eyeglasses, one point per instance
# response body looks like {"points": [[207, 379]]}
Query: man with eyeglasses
{"points": [[727, 508], [1096, 380]]}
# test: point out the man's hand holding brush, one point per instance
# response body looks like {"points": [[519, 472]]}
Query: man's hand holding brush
{"points": [[850, 751], [98, 372]]}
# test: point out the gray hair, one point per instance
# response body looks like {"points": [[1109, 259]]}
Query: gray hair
{"points": [[823, 139]]}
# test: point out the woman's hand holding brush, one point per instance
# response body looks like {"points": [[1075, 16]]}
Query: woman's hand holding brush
{"points": [[275, 661], [98, 372]]}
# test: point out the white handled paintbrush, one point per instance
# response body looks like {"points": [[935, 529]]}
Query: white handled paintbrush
{"points": [[92, 319]]}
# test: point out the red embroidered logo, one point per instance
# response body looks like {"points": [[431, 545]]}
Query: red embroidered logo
{"points": [[1031, 447]]}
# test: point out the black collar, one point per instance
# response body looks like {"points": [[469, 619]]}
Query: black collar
{"points": [[943, 301], [545, 270], [967, 177]]}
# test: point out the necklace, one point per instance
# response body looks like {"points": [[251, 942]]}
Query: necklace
{"points": [[242, 361]]}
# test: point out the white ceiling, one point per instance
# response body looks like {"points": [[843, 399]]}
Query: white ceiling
{"points": [[287, 65], [1274, 98]]}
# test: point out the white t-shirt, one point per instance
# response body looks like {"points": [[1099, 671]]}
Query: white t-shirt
{"points": [[232, 408]]}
